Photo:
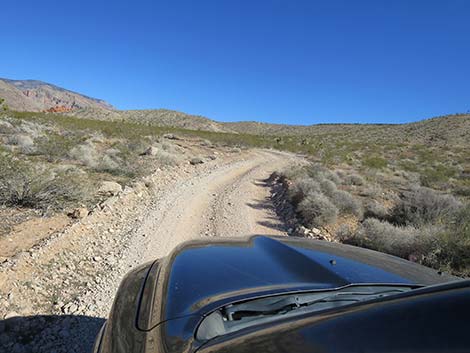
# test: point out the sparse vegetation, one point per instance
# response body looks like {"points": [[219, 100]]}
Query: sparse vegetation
{"points": [[30, 185], [423, 206], [375, 162], [3, 105], [406, 182], [403, 219], [50, 162]]}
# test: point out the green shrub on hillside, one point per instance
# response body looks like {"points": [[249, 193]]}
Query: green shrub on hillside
{"points": [[375, 162]]}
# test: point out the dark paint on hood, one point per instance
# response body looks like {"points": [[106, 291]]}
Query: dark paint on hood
{"points": [[206, 275]]}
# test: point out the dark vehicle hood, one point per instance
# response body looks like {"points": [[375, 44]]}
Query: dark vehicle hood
{"points": [[205, 275], [160, 305]]}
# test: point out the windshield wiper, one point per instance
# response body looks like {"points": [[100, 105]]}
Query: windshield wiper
{"points": [[234, 317], [284, 305]]}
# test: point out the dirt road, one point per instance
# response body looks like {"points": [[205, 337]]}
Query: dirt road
{"points": [[232, 201], [226, 199]]}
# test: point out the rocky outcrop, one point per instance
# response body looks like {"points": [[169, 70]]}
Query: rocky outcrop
{"points": [[59, 109], [38, 96], [109, 188]]}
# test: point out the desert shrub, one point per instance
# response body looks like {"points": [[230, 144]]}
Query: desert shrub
{"points": [[300, 188], [56, 146], [375, 162], [317, 210], [353, 179], [206, 143], [451, 250], [24, 142], [402, 241], [24, 184], [328, 187], [373, 190], [167, 158], [437, 174], [424, 205], [109, 164], [293, 173], [85, 153], [133, 147], [409, 165], [6, 128], [346, 203], [375, 209], [462, 190], [170, 148], [444, 247], [32, 128], [319, 173]]}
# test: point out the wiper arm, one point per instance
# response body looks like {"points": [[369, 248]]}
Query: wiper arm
{"points": [[236, 316], [286, 304], [265, 308]]}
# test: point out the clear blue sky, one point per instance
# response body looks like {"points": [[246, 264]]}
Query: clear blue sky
{"points": [[288, 61]]}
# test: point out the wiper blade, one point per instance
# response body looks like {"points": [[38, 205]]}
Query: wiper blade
{"points": [[280, 306], [265, 308], [236, 316]]}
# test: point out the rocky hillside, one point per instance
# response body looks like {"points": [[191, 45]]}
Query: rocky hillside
{"points": [[451, 129], [32, 95], [158, 117]]}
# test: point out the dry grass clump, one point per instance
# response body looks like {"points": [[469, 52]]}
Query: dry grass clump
{"points": [[24, 184]]}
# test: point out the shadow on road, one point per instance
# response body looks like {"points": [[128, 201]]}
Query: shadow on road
{"points": [[49, 333], [273, 222]]}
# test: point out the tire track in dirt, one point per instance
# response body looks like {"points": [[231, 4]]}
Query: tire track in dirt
{"points": [[232, 201]]}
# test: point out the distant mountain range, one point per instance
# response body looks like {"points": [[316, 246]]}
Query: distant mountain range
{"points": [[32, 95]]}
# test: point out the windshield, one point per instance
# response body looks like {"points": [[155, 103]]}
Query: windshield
{"points": [[234, 317]]}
